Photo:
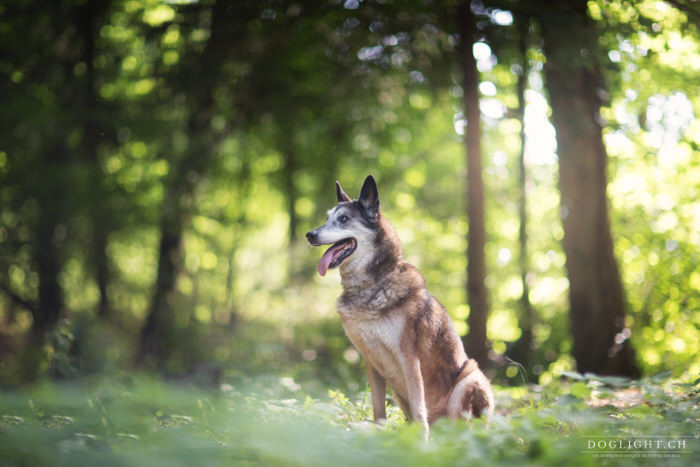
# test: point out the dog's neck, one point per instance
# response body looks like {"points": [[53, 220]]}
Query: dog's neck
{"points": [[374, 262]]}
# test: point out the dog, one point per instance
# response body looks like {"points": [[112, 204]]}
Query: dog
{"points": [[403, 333]]}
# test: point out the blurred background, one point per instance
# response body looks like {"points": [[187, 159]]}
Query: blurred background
{"points": [[160, 162]]}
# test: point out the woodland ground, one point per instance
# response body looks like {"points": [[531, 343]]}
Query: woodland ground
{"points": [[135, 420]]}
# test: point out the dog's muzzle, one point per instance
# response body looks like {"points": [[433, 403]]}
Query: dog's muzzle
{"points": [[334, 255], [312, 238]]}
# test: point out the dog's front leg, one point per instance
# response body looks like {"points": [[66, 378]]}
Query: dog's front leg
{"points": [[377, 385], [416, 392]]}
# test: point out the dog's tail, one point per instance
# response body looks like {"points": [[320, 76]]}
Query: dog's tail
{"points": [[472, 395]]}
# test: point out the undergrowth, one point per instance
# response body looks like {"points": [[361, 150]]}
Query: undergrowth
{"points": [[131, 420]]}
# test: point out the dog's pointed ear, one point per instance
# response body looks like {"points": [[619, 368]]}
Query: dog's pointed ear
{"points": [[369, 196], [342, 196]]}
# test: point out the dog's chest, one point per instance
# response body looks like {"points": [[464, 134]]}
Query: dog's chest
{"points": [[378, 338]]}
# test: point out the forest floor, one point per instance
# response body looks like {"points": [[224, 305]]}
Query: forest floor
{"points": [[134, 420]]}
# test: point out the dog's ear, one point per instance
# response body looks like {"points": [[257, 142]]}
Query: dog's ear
{"points": [[369, 196], [342, 196]]}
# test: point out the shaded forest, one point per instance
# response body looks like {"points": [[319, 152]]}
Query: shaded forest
{"points": [[160, 161]]}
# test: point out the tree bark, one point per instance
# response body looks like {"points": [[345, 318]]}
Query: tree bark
{"points": [[89, 13], [157, 339], [157, 334], [291, 196], [521, 349], [290, 167], [597, 302], [239, 225], [476, 341], [49, 263]]}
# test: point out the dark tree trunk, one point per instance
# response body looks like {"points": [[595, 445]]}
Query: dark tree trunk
{"points": [[521, 349], [290, 167], [102, 269], [476, 342], [49, 233], [50, 303], [239, 225], [49, 263], [291, 196], [98, 208], [157, 335], [595, 289]]}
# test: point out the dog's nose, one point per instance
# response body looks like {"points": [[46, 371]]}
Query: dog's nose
{"points": [[311, 236]]}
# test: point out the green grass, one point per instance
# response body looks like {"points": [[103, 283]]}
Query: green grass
{"points": [[141, 421]]}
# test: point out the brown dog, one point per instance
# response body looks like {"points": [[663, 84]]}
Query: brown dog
{"points": [[403, 332]]}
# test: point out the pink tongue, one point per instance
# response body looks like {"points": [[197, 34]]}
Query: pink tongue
{"points": [[328, 257]]}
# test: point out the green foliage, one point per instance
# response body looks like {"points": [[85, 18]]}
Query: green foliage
{"points": [[307, 94], [101, 112], [651, 170], [137, 421]]}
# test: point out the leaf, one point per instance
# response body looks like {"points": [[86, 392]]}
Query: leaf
{"points": [[9, 420], [580, 390], [567, 400], [573, 375], [614, 381], [663, 376]]}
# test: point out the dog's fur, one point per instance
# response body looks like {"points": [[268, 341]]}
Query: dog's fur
{"points": [[403, 332]]}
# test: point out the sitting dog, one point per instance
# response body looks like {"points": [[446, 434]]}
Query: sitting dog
{"points": [[404, 334]]}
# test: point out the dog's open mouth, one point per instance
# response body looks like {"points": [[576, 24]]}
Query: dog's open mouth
{"points": [[336, 254]]}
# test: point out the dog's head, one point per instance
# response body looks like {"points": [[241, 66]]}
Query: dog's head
{"points": [[350, 226]]}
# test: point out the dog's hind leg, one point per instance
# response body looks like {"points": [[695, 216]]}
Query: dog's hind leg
{"points": [[471, 396], [377, 385]]}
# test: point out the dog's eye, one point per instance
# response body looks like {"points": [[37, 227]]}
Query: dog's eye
{"points": [[343, 219]]}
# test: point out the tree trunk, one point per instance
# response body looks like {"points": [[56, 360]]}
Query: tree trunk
{"points": [[48, 260], [595, 289], [290, 166], [49, 233], [521, 349], [157, 333], [91, 129], [157, 339], [476, 342], [239, 224], [102, 268]]}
